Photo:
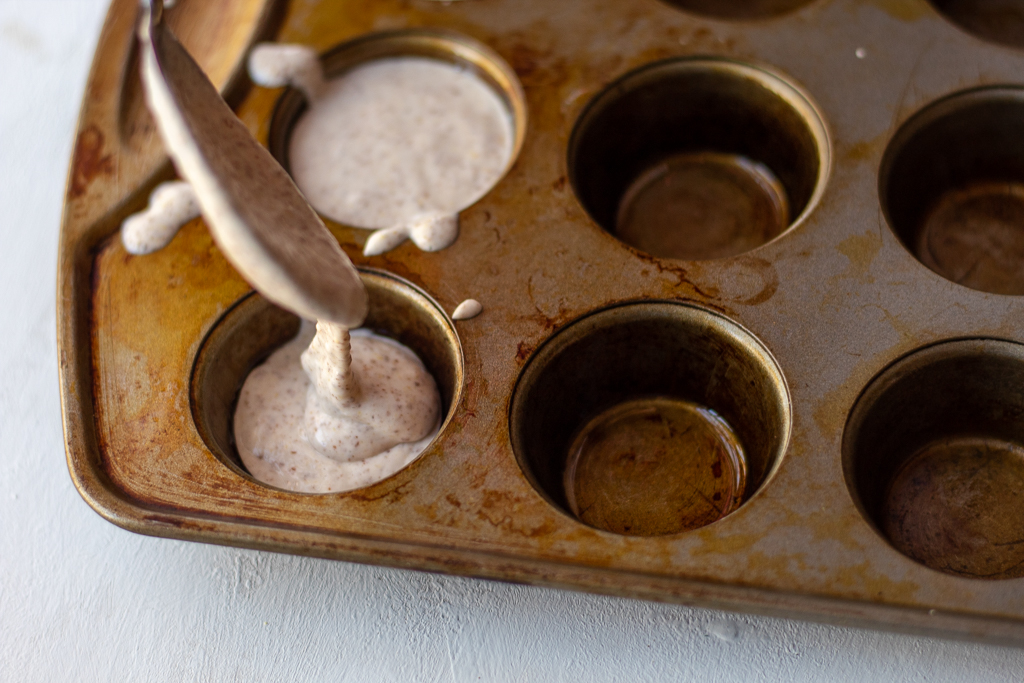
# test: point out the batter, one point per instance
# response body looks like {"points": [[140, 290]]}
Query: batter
{"points": [[470, 308], [171, 205], [274, 66], [330, 411], [400, 144], [335, 411]]}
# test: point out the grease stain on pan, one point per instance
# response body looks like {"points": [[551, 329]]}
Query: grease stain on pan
{"points": [[861, 250]]}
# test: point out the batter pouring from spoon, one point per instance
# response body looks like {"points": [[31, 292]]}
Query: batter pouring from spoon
{"points": [[356, 407]]}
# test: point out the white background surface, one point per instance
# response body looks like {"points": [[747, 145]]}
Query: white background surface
{"points": [[83, 600]]}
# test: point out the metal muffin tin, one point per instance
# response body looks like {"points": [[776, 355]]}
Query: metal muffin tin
{"points": [[881, 404]]}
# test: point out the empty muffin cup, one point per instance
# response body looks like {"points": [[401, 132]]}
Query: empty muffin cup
{"points": [[650, 418], [739, 10], [952, 188], [699, 158], [934, 456], [254, 328], [997, 21]]}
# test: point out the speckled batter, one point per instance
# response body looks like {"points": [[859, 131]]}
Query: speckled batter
{"points": [[398, 139], [171, 205], [274, 65], [470, 308], [350, 427], [428, 231]]}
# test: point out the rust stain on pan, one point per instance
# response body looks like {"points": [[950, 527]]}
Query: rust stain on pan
{"points": [[89, 161]]}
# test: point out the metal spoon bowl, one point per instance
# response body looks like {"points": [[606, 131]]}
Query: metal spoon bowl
{"points": [[256, 214]]}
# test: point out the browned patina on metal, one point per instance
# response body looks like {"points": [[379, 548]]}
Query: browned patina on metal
{"points": [[835, 300], [89, 161], [933, 452], [955, 505], [688, 418]]}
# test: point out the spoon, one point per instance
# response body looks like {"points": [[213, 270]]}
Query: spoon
{"points": [[256, 214]]}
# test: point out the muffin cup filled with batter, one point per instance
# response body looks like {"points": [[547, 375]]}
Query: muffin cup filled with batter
{"points": [[254, 329], [408, 129]]}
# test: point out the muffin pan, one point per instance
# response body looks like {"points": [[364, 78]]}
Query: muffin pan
{"points": [[838, 322]]}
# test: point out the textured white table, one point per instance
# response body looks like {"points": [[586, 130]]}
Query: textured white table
{"points": [[85, 601]]}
